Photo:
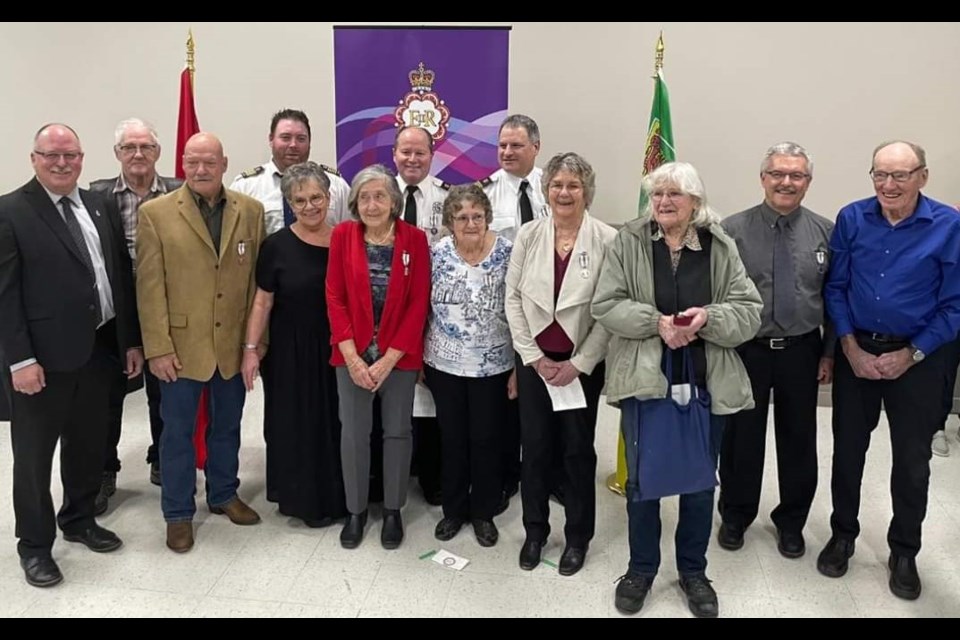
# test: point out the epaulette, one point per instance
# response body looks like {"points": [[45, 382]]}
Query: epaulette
{"points": [[444, 185], [249, 173], [486, 182], [332, 170]]}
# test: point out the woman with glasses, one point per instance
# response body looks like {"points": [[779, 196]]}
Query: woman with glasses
{"points": [[300, 423], [553, 270], [378, 291], [468, 360], [673, 280]]}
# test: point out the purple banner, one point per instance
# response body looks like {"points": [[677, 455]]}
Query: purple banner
{"points": [[450, 81]]}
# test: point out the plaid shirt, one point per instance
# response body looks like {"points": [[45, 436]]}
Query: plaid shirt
{"points": [[128, 201]]}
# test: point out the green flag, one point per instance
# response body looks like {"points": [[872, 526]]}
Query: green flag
{"points": [[659, 147]]}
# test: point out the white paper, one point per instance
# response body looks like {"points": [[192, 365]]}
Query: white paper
{"points": [[568, 397], [681, 393], [423, 405], [447, 559]]}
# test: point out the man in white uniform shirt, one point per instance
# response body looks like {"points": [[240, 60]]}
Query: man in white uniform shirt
{"points": [[290, 145], [514, 189]]}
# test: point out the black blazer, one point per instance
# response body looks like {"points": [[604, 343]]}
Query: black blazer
{"points": [[46, 294]]}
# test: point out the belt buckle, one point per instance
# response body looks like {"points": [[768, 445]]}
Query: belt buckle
{"points": [[777, 344]]}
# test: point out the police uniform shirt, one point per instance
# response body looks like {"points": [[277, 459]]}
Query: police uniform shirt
{"points": [[429, 196], [263, 183], [503, 189], [754, 231]]}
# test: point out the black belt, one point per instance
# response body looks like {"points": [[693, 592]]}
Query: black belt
{"points": [[776, 344], [881, 338]]}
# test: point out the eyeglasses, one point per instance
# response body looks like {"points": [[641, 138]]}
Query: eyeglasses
{"points": [[133, 149], [557, 187], [794, 176], [53, 157], [898, 176], [476, 219], [675, 196], [316, 201]]}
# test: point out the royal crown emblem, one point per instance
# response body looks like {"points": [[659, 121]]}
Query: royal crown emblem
{"points": [[422, 107]]}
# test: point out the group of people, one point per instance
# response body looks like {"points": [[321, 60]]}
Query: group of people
{"points": [[498, 300]]}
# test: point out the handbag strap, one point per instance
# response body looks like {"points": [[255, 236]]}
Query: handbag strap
{"points": [[687, 373]]}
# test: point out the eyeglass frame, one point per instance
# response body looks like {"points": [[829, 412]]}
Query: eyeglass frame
{"points": [[476, 219], [904, 175], [320, 197], [795, 176], [131, 149]]}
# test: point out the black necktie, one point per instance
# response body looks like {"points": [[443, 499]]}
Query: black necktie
{"points": [[784, 278], [76, 233], [526, 209], [410, 210]]}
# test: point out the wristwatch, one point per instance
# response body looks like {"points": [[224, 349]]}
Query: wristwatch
{"points": [[918, 355]]}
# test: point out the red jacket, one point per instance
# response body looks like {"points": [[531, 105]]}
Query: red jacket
{"points": [[350, 299]]}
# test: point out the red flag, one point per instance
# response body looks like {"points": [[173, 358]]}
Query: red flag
{"points": [[187, 126]]}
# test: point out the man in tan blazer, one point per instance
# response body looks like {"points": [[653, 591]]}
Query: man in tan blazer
{"points": [[196, 256]]}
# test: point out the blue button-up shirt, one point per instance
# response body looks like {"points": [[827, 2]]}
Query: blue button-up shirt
{"points": [[901, 279]]}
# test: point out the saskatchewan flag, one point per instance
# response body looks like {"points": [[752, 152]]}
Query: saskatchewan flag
{"points": [[659, 148]]}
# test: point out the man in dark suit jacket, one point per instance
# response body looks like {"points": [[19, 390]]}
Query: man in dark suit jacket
{"points": [[137, 148], [68, 324]]}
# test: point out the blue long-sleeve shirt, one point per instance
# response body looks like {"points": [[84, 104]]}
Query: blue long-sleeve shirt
{"points": [[902, 279]]}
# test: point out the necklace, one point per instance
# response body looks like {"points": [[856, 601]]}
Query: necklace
{"points": [[381, 241]]}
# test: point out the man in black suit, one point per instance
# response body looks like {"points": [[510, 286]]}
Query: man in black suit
{"points": [[68, 323], [137, 147]]}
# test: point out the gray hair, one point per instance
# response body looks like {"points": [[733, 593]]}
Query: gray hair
{"points": [[917, 150], [298, 175], [370, 174], [791, 149], [684, 177], [520, 121], [135, 122], [461, 194], [575, 164]]}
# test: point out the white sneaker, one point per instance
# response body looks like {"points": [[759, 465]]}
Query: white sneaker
{"points": [[940, 446]]}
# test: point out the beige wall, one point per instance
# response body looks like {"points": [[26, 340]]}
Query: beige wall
{"points": [[735, 88]]}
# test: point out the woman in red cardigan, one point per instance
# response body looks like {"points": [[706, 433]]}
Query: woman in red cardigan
{"points": [[378, 292]]}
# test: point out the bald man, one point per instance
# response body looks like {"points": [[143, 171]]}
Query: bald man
{"points": [[67, 327], [196, 252]]}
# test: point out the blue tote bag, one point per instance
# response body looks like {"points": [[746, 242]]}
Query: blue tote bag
{"points": [[674, 446]]}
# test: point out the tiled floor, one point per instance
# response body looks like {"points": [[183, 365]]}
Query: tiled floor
{"points": [[280, 568]]}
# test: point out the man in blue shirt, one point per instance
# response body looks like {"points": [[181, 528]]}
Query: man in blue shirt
{"points": [[894, 295]]}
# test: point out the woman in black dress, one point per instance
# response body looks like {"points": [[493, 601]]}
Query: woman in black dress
{"points": [[301, 426]]}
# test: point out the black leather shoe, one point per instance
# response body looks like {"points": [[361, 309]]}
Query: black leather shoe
{"points": [[571, 560], [701, 598], [447, 529], [790, 544], [730, 536], [632, 590], [352, 533], [155, 477], [391, 535], [530, 553], [108, 487], [96, 538], [904, 579], [433, 498], [41, 571], [486, 532], [318, 523], [835, 557]]}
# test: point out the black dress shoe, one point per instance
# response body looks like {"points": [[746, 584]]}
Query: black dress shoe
{"points": [[530, 553], [730, 536], [318, 523], [835, 557], [41, 571], [701, 598], [108, 487], [352, 532], [486, 532], [433, 498], [572, 560], [790, 544], [904, 579], [155, 477], [632, 590], [391, 535], [96, 538], [447, 529]]}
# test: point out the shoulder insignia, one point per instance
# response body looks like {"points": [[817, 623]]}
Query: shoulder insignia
{"points": [[249, 173], [330, 169], [486, 182], [445, 186]]}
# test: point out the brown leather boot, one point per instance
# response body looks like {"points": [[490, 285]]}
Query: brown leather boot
{"points": [[180, 536], [238, 512]]}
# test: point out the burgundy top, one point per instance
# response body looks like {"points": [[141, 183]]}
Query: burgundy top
{"points": [[554, 339]]}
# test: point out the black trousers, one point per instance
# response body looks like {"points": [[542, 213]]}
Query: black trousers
{"points": [[118, 393], [73, 409], [913, 403], [951, 357], [426, 453], [472, 416], [542, 431], [792, 375]]}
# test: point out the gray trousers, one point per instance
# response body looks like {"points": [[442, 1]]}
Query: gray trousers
{"points": [[356, 418]]}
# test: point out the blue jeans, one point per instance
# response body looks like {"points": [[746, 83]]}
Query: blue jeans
{"points": [[643, 517], [178, 406]]}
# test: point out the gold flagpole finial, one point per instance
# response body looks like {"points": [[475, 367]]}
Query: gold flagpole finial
{"points": [[658, 60], [190, 52]]}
